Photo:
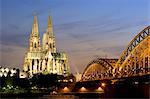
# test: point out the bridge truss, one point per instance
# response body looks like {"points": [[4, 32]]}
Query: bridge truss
{"points": [[135, 60]]}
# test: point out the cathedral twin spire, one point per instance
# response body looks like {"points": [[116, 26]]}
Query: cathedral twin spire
{"points": [[49, 27], [44, 58], [35, 31], [35, 38]]}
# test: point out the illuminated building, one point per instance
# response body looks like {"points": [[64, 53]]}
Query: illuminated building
{"points": [[44, 58], [5, 72]]}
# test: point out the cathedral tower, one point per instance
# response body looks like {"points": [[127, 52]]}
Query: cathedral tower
{"points": [[34, 42], [44, 59], [49, 38], [33, 56]]}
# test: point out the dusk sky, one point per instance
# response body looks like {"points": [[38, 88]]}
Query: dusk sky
{"points": [[84, 29]]}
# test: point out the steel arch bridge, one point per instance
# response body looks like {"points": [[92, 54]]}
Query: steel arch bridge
{"points": [[135, 60], [99, 68]]}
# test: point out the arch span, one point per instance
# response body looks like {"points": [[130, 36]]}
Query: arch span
{"points": [[99, 68], [135, 60]]}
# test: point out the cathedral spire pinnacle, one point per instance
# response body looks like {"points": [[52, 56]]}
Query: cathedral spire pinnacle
{"points": [[35, 26], [49, 26]]}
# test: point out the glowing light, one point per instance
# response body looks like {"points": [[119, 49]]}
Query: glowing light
{"points": [[136, 82], [100, 89], [1, 74], [120, 68], [113, 70], [7, 70], [66, 89], [3, 88], [13, 71], [103, 84], [34, 67], [83, 89], [5, 74], [2, 70], [11, 75]]}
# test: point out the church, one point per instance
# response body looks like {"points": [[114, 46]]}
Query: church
{"points": [[43, 57]]}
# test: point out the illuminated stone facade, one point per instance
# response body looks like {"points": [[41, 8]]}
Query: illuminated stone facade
{"points": [[44, 58]]}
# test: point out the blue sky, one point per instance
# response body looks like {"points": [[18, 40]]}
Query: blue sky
{"points": [[84, 29]]}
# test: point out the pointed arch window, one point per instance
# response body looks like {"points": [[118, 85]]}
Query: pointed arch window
{"points": [[32, 64], [50, 45], [34, 45]]}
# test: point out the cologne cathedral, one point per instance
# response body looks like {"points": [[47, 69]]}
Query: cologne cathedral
{"points": [[44, 58]]}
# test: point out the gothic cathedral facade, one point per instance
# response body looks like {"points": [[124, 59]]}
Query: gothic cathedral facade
{"points": [[44, 58]]}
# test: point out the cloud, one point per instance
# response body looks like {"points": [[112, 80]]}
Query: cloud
{"points": [[70, 25], [12, 56], [97, 39], [13, 36], [101, 34]]}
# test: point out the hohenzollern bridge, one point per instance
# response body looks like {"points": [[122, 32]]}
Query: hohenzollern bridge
{"points": [[134, 61], [130, 73]]}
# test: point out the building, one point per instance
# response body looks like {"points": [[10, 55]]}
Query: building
{"points": [[23, 74], [44, 58], [7, 72]]}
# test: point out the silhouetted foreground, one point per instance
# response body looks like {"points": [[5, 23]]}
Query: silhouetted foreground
{"points": [[133, 87], [112, 91]]}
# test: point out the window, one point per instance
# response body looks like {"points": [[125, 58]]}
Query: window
{"points": [[34, 45]]}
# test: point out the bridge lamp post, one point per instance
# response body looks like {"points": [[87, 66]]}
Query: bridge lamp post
{"points": [[103, 84], [83, 89], [99, 89], [66, 89]]}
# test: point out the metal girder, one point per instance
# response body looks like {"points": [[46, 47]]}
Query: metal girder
{"points": [[140, 37], [101, 61]]}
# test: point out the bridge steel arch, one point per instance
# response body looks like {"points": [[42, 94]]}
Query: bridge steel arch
{"points": [[136, 48], [135, 60], [100, 68]]}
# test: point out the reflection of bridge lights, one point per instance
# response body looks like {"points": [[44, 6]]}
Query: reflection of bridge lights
{"points": [[136, 82], [103, 84], [66, 89], [83, 89]]}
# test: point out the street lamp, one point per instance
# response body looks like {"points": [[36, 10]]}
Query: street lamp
{"points": [[103, 84], [66, 89], [100, 89], [83, 89]]}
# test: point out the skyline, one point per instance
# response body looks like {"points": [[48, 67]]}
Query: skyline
{"points": [[82, 31]]}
